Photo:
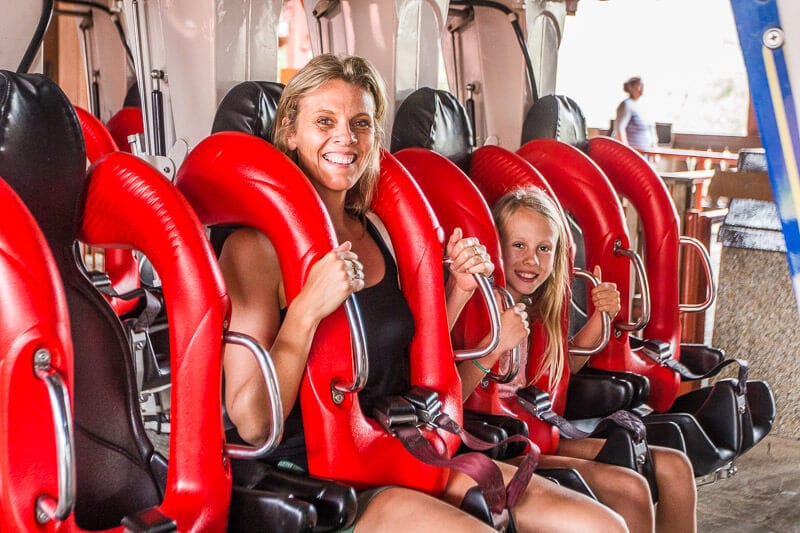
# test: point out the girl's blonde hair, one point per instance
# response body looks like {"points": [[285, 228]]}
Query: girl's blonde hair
{"points": [[547, 302], [316, 73]]}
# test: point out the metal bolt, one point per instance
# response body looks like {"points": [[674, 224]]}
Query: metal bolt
{"points": [[338, 397], [41, 358], [773, 38], [41, 516]]}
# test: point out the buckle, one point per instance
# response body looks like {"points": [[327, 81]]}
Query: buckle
{"points": [[534, 400], [426, 403], [99, 279], [640, 451], [741, 403], [393, 412], [658, 351]]}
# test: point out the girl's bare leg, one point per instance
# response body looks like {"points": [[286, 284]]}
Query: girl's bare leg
{"points": [[676, 510], [621, 489], [677, 495]]}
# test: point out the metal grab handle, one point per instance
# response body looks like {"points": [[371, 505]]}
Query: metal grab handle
{"points": [[238, 451], [711, 288], [485, 287], [358, 342], [605, 334], [65, 449], [514, 363], [641, 276]]}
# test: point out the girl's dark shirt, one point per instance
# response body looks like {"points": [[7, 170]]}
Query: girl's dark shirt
{"points": [[389, 328]]}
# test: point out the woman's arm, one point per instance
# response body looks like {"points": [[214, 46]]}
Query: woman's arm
{"points": [[252, 275], [605, 297], [468, 256], [621, 123]]}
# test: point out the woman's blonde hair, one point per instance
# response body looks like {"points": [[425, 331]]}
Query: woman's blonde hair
{"points": [[316, 73], [547, 302]]}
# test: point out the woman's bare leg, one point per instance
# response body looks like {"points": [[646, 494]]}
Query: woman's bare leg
{"points": [[400, 509], [544, 506]]}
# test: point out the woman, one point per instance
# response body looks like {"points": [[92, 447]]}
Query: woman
{"points": [[532, 235], [631, 125], [329, 122]]}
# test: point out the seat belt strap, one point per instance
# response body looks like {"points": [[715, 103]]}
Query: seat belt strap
{"points": [[403, 417], [661, 352]]}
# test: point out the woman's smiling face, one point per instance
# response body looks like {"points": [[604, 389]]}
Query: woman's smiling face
{"points": [[529, 245], [333, 135]]}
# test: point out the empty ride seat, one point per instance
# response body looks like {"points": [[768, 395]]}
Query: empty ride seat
{"points": [[124, 202], [718, 422]]}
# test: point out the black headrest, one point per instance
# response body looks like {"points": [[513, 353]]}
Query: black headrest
{"points": [[132, 98], [249, 107], [38, 121], [556, 117], [433, 119]]}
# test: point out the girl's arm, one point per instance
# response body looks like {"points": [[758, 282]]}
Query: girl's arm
{"points": [[252, 275], [605, 297], [513, 330]]}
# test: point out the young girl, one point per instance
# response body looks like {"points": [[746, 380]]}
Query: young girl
{"points": [[329, 122], [532, 233]]}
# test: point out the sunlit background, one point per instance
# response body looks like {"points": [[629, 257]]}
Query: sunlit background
{"points": [[686, 51]]}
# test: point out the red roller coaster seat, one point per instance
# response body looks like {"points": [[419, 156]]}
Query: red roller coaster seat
{"points": [[236, 178], [130, 203], [33, 316], [458, 203], [585, 192], [635, 179], [121, 265], [122, 202]]}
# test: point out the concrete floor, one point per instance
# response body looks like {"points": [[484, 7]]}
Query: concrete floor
{"points": [[764, 496]]}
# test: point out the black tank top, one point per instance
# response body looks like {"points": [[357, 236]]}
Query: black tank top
{"points": [[389, 328]]}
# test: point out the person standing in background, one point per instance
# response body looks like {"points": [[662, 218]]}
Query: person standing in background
{"points": [[631, 126]]}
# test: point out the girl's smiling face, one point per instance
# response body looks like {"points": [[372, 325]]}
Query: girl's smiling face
{"points": [[333, 135], [529, 246]]}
